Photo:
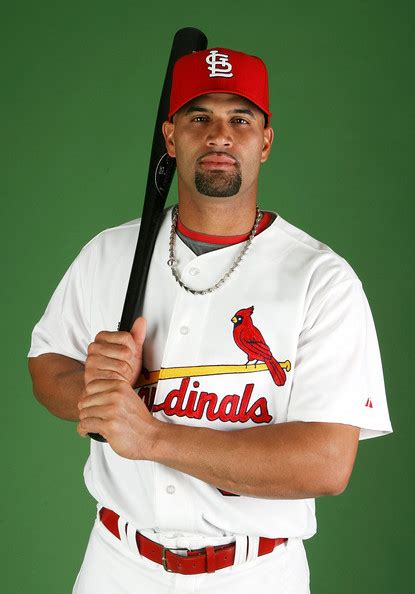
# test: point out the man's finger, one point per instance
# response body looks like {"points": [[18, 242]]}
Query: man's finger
{"points": [[100, 363], [104, 374], [112, 350], [122, 338], [97, 399], [100, 387], [91, 425], [138, 331], [99, 412]]}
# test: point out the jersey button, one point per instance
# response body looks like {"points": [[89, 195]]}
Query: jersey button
{"points": [[184, 329], [170, 489], [194, 271]]}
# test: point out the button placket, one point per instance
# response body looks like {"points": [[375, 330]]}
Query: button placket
{"points": [[186, 330], [174, 503], [207, 269]]}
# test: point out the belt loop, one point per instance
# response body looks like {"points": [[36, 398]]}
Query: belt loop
{"points": [[122, 527], [210, 560], [127, 534], [241, 549], [132, 540], [253, 547]]}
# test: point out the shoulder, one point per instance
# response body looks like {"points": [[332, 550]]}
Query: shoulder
{"points": [[302, 252], [121, 238], [117, 237], [114, 247], [308, 266]]}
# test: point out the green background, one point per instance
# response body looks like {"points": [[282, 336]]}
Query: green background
{"points": [[80, 83]]}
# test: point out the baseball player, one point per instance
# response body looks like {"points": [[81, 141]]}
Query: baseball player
{"points": [[241, 394]]}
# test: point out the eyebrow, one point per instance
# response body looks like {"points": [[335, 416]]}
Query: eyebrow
{"points": [[198, 108]]}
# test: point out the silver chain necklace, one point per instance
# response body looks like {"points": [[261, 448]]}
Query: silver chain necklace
{"points": [[172, 262]]}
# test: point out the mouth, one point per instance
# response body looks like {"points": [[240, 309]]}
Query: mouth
{"points": [[218, 161]]}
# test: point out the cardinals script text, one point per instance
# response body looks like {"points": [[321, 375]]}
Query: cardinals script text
{"points": [[195, 404]]}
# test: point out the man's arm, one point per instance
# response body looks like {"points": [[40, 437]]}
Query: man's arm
{"points": [[284, 461], [293, 460], [59, 381], [58, 384]]}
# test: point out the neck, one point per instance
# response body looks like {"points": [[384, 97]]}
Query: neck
{"points": [[218, 216]]}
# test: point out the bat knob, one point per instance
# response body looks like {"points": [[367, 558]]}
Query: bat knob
{"points": [[97, 437]]}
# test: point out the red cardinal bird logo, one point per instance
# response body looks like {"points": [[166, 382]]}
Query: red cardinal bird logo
{"points": [[250, 340]]}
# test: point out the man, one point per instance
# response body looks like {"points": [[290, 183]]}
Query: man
{"points": [[256, 364]]}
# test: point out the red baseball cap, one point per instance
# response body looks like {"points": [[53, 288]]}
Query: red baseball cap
{"points": [[219, 70]]}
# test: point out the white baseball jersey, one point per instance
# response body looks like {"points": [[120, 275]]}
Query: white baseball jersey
{"points": [[312, 315]]}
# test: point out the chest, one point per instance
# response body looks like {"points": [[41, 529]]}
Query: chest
{"points": [[198, 370]]}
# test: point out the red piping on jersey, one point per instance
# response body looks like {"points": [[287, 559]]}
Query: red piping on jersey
{"points": [[222, 239]]}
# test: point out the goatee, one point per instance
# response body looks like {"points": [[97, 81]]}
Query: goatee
{"points": [[218, 183]]}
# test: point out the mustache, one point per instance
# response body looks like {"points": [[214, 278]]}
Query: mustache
{"points": [[218, 154]]}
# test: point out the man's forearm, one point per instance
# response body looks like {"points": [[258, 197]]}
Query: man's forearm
{"points": [[284, 461], [58, 383]]}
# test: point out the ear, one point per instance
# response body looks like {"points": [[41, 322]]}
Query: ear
{"points": [[168, 133], [267, 144]]}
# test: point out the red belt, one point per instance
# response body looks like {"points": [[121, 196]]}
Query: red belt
{"points": [[205, 560]]}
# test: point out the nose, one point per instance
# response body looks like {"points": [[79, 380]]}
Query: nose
{"points": [[219, 134]]}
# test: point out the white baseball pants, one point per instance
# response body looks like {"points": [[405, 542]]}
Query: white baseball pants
{"points": [[112, 566]]}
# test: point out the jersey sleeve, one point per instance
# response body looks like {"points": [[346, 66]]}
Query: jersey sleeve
{"points": [[65, 326], [338, 374]]}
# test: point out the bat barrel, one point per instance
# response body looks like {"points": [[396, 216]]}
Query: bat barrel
{"points": [[160, 175]]}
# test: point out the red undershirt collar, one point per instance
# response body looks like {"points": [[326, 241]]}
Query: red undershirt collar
{"points": [[219, 239]]}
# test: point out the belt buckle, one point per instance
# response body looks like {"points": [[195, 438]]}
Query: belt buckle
{"points": [[163, 556]]}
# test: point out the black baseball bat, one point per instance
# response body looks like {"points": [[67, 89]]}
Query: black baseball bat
{"points": [[160, 175]]}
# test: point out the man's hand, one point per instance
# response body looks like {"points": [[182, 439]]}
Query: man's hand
{"points": [[113, 409], [108, 404], [116, 355]]}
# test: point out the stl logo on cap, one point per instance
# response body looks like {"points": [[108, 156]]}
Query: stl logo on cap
{"points": [[219, 70], [219, 64]]}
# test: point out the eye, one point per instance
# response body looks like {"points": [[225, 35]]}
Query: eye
{"points": [[240, 121], [199, 118], [239, 319]]}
